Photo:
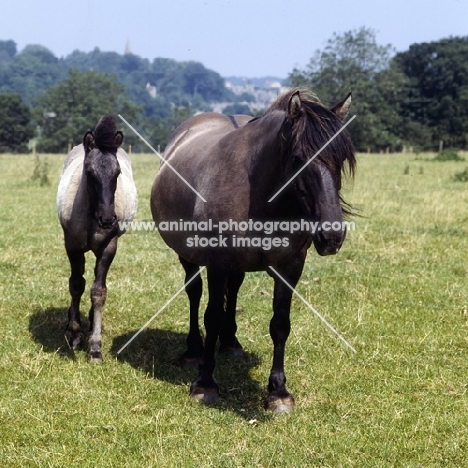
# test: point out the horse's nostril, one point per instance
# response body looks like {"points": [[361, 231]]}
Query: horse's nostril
{"points": [[107, 223]]}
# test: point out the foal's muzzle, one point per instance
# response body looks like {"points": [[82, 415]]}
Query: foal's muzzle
{"points": [[107, 223]]}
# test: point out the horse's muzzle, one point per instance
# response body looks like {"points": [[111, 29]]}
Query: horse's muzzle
{"points": [[107, 223], [329, 243]]}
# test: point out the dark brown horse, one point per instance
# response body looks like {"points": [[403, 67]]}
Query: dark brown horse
{"points": [[96, 191], [240, 165]]}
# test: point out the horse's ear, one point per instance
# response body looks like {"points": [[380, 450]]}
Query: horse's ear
{"points": [[118, 138], [88, 142], [342, 108], [295, 106]]}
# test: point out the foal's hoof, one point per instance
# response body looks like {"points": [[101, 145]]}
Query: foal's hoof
{"points": [[74, 340], [279, 403], [204, 394], [95, 357]]}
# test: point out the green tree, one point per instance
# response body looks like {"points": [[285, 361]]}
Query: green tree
{"points": [[7, 51], [30, 72], [66, 111], [436, 107], [159, 130], [355, 62], [200, 81], [237, 108], [16, 128]]}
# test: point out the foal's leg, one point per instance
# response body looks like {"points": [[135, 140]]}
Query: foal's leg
{"points": [[205, 387], [76, 286], [279, 399], [104, 259], [227, 336], [194, 353]]}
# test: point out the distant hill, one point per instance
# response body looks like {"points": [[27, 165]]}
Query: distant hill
{"points": [[261, 82]]}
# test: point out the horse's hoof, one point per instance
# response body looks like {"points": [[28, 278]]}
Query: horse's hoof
{"points": [[207, 395], [232, 348], [279, 404], [95, 357]]}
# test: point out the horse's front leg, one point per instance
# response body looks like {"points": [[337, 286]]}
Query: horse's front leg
{"points": [[279, 399], [194, 353], [104, 259], [76, 286], [205, 387]]}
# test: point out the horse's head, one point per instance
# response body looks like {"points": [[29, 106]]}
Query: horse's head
{"points": [[316, 149], [102, 170]]}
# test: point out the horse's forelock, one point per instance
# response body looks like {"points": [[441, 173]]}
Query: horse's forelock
{"points": [[105, 132], [316, 126], [312, 130], [320, 126]]}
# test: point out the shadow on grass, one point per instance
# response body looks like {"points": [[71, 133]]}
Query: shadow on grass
{"points": [[47, 327], [156, 353]]}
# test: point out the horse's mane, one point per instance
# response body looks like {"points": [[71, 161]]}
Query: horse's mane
{"points": [[313, 129], [104, 134]]}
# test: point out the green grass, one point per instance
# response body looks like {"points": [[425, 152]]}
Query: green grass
{"points": [[396, 291]]}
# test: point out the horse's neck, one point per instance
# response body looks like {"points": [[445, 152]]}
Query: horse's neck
{"points": [[265, 164]]}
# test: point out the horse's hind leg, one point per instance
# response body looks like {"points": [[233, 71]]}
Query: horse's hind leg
{"points": [[76, 286], [104, 259], [227, 336], [205, 387], [194, 353]]}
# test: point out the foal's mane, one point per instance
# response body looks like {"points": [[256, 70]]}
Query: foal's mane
{"points": [[104, 134], [315, 126]]}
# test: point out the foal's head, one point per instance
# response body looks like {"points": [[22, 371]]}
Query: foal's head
{"points": [[102, 169]]}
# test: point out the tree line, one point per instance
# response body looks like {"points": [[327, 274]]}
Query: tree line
{"points": [[57, 100], [417, 98]]}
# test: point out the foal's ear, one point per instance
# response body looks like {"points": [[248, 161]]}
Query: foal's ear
{"points": [[294, 106], [342, 108], [118, 139], [88, 142]]}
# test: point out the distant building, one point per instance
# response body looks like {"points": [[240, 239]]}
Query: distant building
{"points": [[263, 93], [127, 48], [151, 90]]}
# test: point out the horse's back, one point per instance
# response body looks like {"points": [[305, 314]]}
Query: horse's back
{"points": [[203, 130], [197, 150]]}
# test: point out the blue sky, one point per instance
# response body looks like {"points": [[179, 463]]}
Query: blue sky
{"points": [[250, 38]]}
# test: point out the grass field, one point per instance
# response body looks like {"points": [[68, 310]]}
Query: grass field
{"points": [[397, 291]]}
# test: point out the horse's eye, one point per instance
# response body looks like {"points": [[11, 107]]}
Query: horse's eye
{"points": [[297, 160]]}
